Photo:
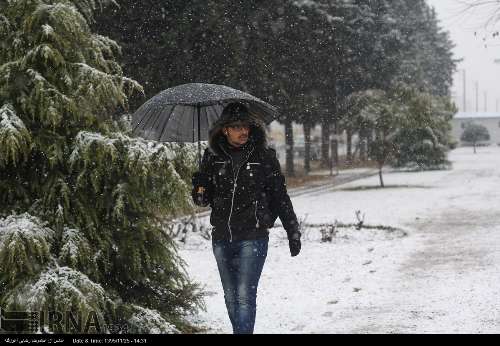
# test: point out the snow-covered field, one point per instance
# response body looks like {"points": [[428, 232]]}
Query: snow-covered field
{"points": [[442, 277]]}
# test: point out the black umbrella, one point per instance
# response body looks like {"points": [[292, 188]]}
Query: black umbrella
{"points": [[185, 113]]}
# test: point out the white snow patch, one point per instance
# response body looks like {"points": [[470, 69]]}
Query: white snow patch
{"points": [[72, 241], [24, 226], [441, 278], [138, 148], [150, 322], [64, 284], [9, 122], [47, 30]]}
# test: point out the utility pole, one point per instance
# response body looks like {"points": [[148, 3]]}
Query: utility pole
{"points": [[465, 92], [485, 101], [497, 61], [477, 97]]}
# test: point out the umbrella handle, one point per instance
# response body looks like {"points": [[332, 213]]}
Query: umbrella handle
{"points": [[199, 135], [201, 190]]}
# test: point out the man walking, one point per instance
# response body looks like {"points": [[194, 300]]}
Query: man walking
{"points": [[241, 179]]}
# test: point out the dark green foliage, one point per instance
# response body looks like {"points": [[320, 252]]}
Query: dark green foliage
{"points": [[418, 149], [305, 57], [424, 139], [474, 133], [81, 203]]}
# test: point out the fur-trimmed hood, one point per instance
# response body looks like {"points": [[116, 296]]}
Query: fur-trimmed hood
{"points": [[216, 138]]}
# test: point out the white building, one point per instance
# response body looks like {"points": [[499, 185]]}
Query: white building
{"points": [[489, 120]]}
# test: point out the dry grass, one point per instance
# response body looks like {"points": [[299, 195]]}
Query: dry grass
{"points": [[301, 178]]}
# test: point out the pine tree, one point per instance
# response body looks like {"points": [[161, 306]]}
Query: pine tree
{"points": [[81, 202], [426, 59]]}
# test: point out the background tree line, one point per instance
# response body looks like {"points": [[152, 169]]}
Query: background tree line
{"points": [[82, 204], [306, 57]]}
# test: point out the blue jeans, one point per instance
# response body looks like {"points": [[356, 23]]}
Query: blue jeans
{"points": [[240, 264]]}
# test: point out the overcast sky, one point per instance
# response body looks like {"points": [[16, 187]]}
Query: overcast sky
{"points": [[478, 49]]}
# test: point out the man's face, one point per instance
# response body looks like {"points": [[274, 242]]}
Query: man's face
{"points": [[237, 133]]}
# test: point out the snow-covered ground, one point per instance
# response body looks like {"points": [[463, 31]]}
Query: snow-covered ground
{"points": [[442, 277]]}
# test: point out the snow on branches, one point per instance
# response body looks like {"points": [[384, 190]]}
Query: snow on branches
{"points": [[319, 9], [15, 139], [95, 196], [146, 321], [76, 251], [25, 244], [121, 168], [61, 289], [66, 73]]}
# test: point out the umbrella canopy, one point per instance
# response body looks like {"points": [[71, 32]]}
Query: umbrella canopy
{"points": [[185, 113]]}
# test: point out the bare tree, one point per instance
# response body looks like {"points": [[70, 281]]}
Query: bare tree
{"points": [[487, 10]]}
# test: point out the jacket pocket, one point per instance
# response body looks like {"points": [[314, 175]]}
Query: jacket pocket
{"points": [[263, 215], [217, 216]]}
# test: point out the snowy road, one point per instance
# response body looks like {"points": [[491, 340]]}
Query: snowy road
{"points": [[441, 278]]}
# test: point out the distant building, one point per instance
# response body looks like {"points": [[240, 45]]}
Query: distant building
{"points": [[489, 120]]}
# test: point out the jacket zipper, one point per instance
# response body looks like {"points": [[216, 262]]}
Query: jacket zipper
{"points": [[256, 218], [234, 190]]}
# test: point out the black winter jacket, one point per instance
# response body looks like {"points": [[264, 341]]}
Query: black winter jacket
{"points": [[247, 202]]}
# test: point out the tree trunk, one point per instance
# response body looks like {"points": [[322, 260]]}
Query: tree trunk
{"points": [[325, 141], [380, 176], [307, 148], [349, 147], [334, 150], [290, 168], [335, 145], [363, 139], [355, 153], [369, 141]]}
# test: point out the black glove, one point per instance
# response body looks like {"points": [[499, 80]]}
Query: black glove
{"points": [[200, 179], [294, 243]]}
